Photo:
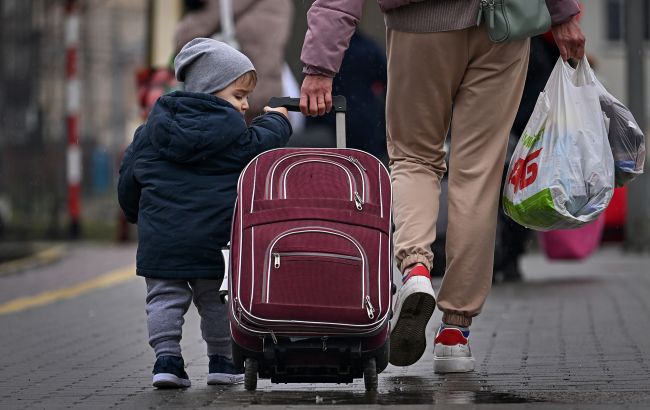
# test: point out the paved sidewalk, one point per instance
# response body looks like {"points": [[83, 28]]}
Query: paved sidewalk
{"points": [[571, 333]]}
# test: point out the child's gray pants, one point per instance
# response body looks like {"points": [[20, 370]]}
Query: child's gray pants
{"points": [[167, 303]]}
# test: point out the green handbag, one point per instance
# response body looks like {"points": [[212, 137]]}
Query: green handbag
{"points": [[514, 19]]}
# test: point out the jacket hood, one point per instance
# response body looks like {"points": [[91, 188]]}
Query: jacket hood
{"points": [[189, 127]]}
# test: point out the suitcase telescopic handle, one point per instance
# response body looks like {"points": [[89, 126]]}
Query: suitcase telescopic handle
{"points": [[338, 104], [293, 104]]}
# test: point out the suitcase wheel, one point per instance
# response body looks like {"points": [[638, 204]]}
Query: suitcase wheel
{"points": [[370, 374], [250, 374]]}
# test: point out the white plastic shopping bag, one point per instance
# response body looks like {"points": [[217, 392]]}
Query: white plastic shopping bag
{"points": [[561, 174]]}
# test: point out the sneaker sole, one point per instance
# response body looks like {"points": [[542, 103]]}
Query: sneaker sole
{"points": [[169, 381], [408, 337], [225, 378], [453, 365]]}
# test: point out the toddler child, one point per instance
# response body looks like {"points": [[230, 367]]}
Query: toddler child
{"points": [[178, 183]]}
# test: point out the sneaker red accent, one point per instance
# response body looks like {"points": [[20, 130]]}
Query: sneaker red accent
{"points": [[418, 270], [451, 337]]}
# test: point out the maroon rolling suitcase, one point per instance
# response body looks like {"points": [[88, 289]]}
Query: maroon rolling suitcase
{"points": [[311, 264]]}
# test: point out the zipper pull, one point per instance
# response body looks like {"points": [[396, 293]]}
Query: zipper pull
{"points": [[491, 3], [275, 339], [276, 260], [358, 201], [480, 12], [238, 312], [357, 162], [324, 339], [369, 308]]}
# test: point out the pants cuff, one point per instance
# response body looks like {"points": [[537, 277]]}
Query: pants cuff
{"points": [[167, 348], [412, 260]]}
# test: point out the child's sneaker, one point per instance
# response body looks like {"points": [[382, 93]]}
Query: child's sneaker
{"points": [[451, 352], [222, 371], [414, 305], [169, 373]]}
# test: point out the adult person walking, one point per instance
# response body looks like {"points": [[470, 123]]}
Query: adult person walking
{"points": [[443, 72], [261, 29]]}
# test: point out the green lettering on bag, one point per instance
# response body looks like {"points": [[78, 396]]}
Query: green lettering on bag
{"points": [[530, 140], [537, 211]]}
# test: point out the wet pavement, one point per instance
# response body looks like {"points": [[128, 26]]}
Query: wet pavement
{"points": [[572, 335]]}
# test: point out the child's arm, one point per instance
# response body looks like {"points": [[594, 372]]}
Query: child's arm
{"points": [[128, 189], [268, 131]]}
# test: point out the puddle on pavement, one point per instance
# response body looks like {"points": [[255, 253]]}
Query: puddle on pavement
{"points": [[391, 397], [393, 389], [481, 397]]}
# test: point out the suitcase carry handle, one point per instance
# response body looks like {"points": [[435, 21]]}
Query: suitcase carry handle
{"points": [[338, 104]]}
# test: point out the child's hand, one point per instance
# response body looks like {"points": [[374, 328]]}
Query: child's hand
{"points": [[281, 110]]}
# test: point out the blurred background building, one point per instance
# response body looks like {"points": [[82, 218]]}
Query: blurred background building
{"points": [[117, 39]]}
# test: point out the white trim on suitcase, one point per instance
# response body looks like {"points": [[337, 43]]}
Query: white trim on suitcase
{"points": [[254, 184], [381, 197], [379, 274], [252, 266], [316, 332]]}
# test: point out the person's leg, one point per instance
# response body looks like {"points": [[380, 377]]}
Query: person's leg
{"points": [[215, 329], [167, 302], [484, 108], [418, 112]]}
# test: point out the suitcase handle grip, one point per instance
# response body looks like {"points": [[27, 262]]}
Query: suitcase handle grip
{"points": [[293, 104]]}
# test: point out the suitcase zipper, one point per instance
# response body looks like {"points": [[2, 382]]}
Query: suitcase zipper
{"points": [[358, 201], [369, 308], [356, 162], [236, 303], [277, 256], [276, 260]]}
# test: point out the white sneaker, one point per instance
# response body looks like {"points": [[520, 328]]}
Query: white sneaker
{"points": [[414, 305], [451, 352]]}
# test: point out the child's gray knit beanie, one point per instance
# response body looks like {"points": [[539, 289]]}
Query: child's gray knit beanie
{"points": [[207, 66]]}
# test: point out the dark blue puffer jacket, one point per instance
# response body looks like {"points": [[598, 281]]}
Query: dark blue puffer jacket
{"points": [[178, 181]]}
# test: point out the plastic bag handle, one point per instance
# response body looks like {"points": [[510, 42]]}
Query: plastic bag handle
{"points": [[583, 73]]}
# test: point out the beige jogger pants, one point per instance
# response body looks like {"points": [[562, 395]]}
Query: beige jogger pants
{"points": [[463, 80]]}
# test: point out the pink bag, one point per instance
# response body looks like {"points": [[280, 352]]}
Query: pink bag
{"points": [[573, 244]]}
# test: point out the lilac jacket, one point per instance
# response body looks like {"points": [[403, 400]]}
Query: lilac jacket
{"points": [[322, 51]]}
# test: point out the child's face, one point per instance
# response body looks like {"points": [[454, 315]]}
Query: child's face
{"points": [[236, 94]]}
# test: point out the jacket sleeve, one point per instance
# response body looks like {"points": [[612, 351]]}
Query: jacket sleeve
{"points": [[268, 131], [562, 10], [330, 25], [128, 189]]}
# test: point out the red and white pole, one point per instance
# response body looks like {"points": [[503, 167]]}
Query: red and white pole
{"points": [[73, 97]]}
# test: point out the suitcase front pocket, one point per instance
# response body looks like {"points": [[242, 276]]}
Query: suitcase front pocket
{"points": [[315, 279], [316, 267]]}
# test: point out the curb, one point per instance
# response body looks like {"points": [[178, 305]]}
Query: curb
{"points": [[44, 257]]}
